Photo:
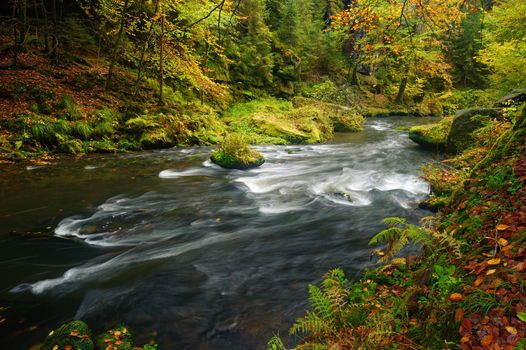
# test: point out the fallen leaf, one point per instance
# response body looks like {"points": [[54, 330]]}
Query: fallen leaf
{"points": [[68, 347], [494, 262], [503, 242], [478, 281], [459, 314], [74, 333], [487, 340], [491, 272], [117, 333], [511, 330], [502, 227], [456, 297], [55, 347]]}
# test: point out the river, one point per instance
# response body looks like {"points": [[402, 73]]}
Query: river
{"points": [[190, 254]]}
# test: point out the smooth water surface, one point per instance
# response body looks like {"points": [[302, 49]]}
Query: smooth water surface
{"points": [[190, 254]]}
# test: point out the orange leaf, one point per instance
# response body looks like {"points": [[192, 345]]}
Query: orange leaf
{"points": [[502, 227], [478, 281], [494, 262], [459, 314], [456, 297], [503, 242], [487, 340]]}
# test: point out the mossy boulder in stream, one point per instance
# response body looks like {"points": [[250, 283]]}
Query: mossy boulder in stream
{"points": [[433, 136], [72, 335], [234, 153]]}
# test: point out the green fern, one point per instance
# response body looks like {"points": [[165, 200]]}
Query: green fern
{"points": [[398, 235], [275, 343], [312, 323]]}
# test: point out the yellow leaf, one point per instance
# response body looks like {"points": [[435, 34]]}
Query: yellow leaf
{"points": [[502, 227], [117, 333], [511, 330], [494, 262], [503, 242], [491, 272], [50, 333], [124, 330], [55, 347]]}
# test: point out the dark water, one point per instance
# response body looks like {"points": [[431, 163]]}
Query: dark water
{"points": [[192, 255]]}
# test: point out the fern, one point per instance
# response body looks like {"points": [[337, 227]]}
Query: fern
{"points": [[312, 323], [275, 343], [320, 302], [398, 235]]}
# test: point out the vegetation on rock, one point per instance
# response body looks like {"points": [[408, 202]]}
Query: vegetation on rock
{"points": [[234, 153]]}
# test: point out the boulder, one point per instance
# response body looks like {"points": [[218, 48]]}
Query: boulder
{"points": [[516, 96], [432, 137], [465, 123]]}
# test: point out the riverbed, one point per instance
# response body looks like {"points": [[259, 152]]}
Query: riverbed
{"points": [[189, 254]]}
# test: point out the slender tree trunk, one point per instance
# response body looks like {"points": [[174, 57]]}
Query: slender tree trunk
{"points": [[143, 52], [161, 58], [15, 34], [401, 91], [205, 69], [46, 34], [55, 43], [116, 51]]}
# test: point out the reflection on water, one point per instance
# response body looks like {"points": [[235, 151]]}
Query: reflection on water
{"points": [[202, 257]]}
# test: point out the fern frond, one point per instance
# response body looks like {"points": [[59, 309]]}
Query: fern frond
{"points": [[385, 235], [448, 242], [320, 302], [275, 343], [313, 324], [394, 221]]}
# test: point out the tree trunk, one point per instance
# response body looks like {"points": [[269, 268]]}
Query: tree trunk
{"points": [[401, 91], [116, 51], [161, 58], [15, 35], [143, 52]]}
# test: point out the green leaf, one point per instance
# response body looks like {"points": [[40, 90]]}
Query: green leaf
{"points": [[521, 316]]}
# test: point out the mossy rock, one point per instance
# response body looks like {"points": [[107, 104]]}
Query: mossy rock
{"points": [[234, 153], [246, 161], [74, 334], [432, 137], [465, 123]]}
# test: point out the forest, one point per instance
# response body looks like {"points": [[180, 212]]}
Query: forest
{"points": [[263, 174]]}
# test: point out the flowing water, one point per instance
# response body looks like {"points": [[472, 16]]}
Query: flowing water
{"points": [[190, 254]]}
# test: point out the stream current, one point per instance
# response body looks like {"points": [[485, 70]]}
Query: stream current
{"points": [[192, 255]]}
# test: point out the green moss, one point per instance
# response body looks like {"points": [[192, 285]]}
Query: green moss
{"points": [[432, 136], [302, 121], [75, 334], [234, 153]]}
